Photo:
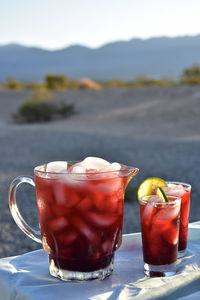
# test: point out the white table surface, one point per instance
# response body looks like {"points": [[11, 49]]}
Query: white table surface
{"points": [[27, 276]]}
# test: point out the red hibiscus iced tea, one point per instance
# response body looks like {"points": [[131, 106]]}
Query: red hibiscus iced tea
{"points": [[183, 191], [160, 229], [81, 218]]}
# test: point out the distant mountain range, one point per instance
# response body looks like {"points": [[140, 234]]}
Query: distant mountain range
{"points": [[154, 57]]}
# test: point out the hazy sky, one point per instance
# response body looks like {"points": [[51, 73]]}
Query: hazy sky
{"points": [[56, 24]]}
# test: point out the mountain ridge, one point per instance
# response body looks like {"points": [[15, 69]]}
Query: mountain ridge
{"points": [[155, 57]]}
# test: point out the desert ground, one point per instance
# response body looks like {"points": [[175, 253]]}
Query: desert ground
{"points": [[156, 129]]}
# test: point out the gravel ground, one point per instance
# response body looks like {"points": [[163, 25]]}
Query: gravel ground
{"points": [[155, 129]]}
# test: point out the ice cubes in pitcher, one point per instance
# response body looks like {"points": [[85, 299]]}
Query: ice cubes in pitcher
{"points": [[94, 163], [56, 166]]}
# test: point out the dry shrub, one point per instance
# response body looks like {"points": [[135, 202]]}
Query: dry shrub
{"points": [[87, 83], [39, 109]]}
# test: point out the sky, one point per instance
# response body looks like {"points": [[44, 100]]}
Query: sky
{"points": [[55, 24]]}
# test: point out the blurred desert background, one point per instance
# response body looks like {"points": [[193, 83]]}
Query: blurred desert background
{"points": [[153, 128], [135, 101]]}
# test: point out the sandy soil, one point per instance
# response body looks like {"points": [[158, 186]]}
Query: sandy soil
{"points": [[156, 129]]}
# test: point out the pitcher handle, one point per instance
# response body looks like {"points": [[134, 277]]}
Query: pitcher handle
{"points": [[32, 233]]}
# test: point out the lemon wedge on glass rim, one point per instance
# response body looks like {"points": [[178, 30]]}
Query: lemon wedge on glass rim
{"points": [[152, 186]]}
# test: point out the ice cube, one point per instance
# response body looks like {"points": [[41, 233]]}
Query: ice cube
{"points": [[78, 169], [66, 194], [174, 189], [65, 242], [111, 187], [102, 220], [58, 224], [67, 237], [164, 232], [56, 166], [74, 177], [149, 210], [84, 204], [82, 227], [166, 214], [95, 163], [171, 234], [112, 167], [112, 203]]}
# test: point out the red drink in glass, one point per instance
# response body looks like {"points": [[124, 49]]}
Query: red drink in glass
{"points": [[160, 229], [183, 191]]}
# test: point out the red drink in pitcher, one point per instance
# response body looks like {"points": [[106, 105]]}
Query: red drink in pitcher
{"points": [[81, 216], [80, 210], [80, 220], [160, 229]]}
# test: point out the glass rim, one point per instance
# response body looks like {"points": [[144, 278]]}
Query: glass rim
{"points": [[124, 169], [172, 202], [184, 184]]}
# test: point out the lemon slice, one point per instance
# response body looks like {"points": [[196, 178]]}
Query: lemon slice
{"points": [[149, 186], [162, 194]]}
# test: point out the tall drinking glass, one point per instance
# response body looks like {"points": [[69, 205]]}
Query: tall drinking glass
{"points": [[80, 217], [160, 229], [182, 190]]}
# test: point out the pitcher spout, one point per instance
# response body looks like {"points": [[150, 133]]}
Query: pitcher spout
{"points": [[129, 173]]}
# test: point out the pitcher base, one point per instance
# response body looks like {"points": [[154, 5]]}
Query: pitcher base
{"points": [[68, 275]]}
